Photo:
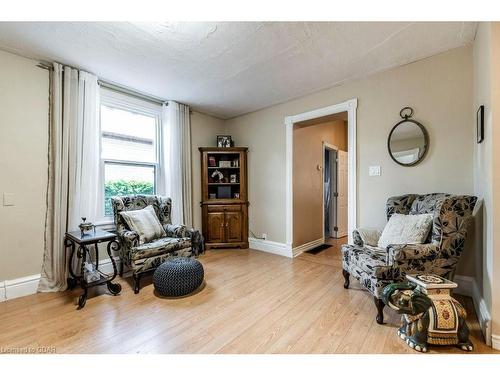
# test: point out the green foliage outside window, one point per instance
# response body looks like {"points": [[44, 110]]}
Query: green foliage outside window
{"points": [[122, 187]]}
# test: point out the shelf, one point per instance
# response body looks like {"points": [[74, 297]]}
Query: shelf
{"points": [[223, 167], [223, 183]]}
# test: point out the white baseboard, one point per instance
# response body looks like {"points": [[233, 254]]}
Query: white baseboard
{"points": [[308, 246], [495, 342], [20, 287], [272, 247], [25, 286], [467, 286]]}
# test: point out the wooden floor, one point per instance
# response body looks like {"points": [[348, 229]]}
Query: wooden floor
{"points": [[253, 302]]}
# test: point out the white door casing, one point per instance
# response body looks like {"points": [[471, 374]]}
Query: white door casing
{"points": [[348, 106], [342, 199]]}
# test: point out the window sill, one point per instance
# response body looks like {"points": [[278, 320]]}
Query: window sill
{"points": [[106, 225]]}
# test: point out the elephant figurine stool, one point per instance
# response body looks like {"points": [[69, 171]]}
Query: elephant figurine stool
{"points": [[429, 316]]}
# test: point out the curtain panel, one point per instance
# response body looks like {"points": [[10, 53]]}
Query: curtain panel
{"points": [[73, 154], [176, 158]]}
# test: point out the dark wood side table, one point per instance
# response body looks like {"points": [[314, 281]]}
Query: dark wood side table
{"points": [[82, 244]]}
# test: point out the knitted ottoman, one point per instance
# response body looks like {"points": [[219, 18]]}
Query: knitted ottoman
{"points": [[178, 276]]}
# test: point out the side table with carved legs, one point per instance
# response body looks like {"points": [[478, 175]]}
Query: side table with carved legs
{"points": [[81, 244]]}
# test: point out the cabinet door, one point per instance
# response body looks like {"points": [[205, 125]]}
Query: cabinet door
{"points": [[215, 227], [233, 226]]}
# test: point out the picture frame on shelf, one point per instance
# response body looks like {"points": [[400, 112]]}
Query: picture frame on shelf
{"points": [[232, 179], [480, 124], [224, 141]]}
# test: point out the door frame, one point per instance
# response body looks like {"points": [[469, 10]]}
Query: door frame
{"points": [[328, 146], [350, 107]]}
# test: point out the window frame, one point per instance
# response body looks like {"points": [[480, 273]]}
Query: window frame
{"points": [[114, 99]]}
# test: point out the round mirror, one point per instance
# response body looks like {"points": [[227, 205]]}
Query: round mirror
{"points": [[408, 141]]}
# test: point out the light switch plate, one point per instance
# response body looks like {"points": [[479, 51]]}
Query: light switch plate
{"points": [[374, 170], [8, 199]]}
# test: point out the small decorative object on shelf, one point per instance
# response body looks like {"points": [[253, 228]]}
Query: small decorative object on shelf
{"points": [[224, 141], [84, 227], [232, 179], [211, 161], [225, 163], [236, 195], [430, 315], [219, 175]]}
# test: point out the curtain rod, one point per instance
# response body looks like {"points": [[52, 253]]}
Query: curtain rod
{"points": [[126, 90], [118, 88]]}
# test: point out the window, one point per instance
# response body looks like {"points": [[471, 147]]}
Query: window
{"points": [[129, 147]]}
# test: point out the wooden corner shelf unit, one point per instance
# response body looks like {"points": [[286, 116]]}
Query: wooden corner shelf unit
{"points": [[224, 202]]}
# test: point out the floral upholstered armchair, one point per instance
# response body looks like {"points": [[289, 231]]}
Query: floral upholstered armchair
{"points": [[376, 268], [141, 258]]}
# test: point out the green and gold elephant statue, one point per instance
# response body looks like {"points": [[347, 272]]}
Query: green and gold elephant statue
{"points": [[436, 319]]}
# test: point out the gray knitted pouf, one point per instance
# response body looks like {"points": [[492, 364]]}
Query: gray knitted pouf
{"points": [[178, 276]]}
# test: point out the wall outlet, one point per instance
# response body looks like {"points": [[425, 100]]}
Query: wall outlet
{"points": [[8, 199], [374, 170], [264, 236]]}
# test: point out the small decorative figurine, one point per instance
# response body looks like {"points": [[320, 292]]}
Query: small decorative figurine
{"points": [[218, 174], [430, 315], [85, 226]]}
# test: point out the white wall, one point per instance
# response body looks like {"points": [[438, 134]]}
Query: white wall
{"points": [[24, 95], [487, 164], [483, 170], [440, 91]]}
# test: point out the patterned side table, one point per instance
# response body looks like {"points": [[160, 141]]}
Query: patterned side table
{"points": [[430, 314], [81, 244]]}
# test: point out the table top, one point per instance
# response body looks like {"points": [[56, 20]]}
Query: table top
{"points": [[90, 236], [430, 281]]}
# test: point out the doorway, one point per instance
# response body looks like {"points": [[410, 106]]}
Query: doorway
{"points": [[295, 247]]}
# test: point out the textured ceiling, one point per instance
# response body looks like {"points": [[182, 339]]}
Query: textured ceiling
{"points": [[231, 68]]}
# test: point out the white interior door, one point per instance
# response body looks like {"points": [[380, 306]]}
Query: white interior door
{"points": [[342, 194]]}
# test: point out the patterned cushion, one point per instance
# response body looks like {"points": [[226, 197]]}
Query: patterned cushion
{"points": [[145, 223], [160, 246], [426, 204]]}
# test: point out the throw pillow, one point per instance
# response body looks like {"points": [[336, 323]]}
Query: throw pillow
{"points": [[406, 229], [370, 237], [145, 223]]}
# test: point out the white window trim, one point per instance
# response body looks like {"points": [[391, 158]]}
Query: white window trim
{"points": [[132, 104]]}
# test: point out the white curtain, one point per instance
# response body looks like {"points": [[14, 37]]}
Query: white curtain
{"points": [[176, 176], [73, 166]]}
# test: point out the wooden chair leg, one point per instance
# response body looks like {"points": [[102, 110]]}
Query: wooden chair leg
{"points": [[380, 310], [346, 279], [137, 282]]}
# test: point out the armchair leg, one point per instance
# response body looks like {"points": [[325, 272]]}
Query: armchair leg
{"points": [[346, 279], [120, 272], [380, 310], [137, 281]]}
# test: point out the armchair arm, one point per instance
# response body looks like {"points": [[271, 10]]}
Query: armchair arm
{"points": [[400, 253], [178, 231], [357, 238], [129, 238]]}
